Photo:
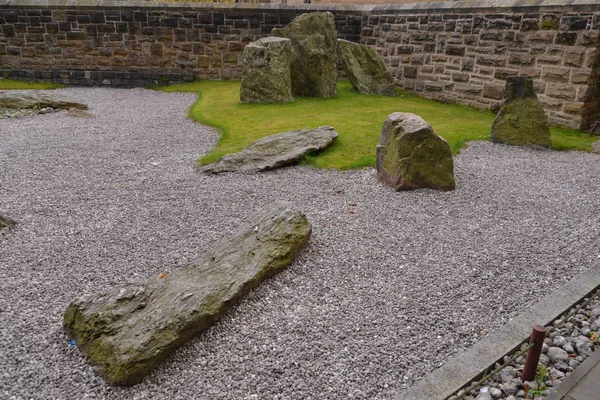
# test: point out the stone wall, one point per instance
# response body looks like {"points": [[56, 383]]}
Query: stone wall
{"points": [[134, 43], [462, 55], [451, 51]]}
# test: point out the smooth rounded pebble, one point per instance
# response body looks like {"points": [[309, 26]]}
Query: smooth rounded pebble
{"points": [[390, 286]]}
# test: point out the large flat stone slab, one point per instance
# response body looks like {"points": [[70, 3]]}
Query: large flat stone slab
{"points": [[275, 151], [127, 331], [410, 155], [22, 99]]}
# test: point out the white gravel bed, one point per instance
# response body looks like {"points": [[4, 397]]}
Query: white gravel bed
{"points": [[380, 297]]}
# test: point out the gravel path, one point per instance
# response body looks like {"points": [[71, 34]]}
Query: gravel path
{"points": [[379, 298]]}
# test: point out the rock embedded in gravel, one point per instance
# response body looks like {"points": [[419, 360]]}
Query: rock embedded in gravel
{"points": [[583, 345], [129, 330], [26, 99], [6, 221], [275, 151], [556, 354], [410, 155]]}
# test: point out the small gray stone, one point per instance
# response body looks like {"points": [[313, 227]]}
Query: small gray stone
{"points": [[569, 348], [556, 374], [483, 396], [496, 393], [561, 366], [556, 354], [544, 360], [559, 341], [583, 345]]}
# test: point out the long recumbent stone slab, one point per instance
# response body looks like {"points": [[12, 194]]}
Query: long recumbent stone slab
{"points": [[129, 330]]}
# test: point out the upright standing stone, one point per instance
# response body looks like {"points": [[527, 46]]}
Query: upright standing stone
{"points": [[365, 69], [6, 221], [521, 120], [410, 155], [129, 330], [314, 55], [266, 74]]}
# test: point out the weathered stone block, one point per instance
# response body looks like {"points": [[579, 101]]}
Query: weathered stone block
{"points": [[566, 92], [314, 59], [127, 331], [574, 57], [580, 76], [410, 155], [266, 75], [496, 61], [491, 91], [521, 120], [365, 69]]}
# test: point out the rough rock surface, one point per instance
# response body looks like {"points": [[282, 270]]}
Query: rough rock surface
{"points": [[521, 120], [129, 330], [275, 151], [596, 147], [266, 75], [24, 99], [410, 155], [6, 222], [365, 68], [314, 55]]}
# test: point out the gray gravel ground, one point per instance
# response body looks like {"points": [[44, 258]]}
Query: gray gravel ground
{"points": [[380, 297]]}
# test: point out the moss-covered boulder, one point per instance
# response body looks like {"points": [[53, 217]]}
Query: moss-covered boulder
{"points": [[275, 151], [266, 71], [521, 120], [127, 331], [410, 155], [314, 55], [6, 221], [365, 69], [23, 99]]}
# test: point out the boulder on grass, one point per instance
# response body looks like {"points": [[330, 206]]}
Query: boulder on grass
{"points": [[596, 147], [22, 99], [410, 155], [127, 331], [275, 151], [365, 69], [266, 74], [314, 55], [6, 221], [521, 120]]}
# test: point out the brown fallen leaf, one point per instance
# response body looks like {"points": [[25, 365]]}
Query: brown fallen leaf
{"points": [[351, 211], [163, 275], [340, 192]]}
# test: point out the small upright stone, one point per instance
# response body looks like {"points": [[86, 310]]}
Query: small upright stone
{"points": [[314, 55], [410, 155], [521, 120], [266, 74], [6, 222], [365, 69]]}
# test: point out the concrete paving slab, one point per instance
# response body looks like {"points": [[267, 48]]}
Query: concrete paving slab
{"points": [[457, 372]]}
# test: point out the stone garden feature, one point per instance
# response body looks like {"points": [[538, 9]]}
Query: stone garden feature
{"points": [[6, 221], [23, 99], [266, 75], [127, 331], [365, 68], [410, 155], [314, 58], [521, 120], [275, 151]]}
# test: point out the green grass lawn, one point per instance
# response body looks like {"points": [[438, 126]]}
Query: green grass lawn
{"points": [[357, 118], [7, 84]]}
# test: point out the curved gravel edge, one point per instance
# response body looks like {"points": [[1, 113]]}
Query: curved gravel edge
{"points": [[381, 296]]}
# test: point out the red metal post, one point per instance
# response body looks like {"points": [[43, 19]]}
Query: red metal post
{"points": [[538, 334]]}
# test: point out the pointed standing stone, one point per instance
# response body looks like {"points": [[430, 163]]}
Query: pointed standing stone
{"points": [[521, 120], [314, 55], [410, 155]]}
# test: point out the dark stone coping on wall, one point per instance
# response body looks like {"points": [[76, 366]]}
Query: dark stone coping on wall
{"points": [[467, 6]]}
